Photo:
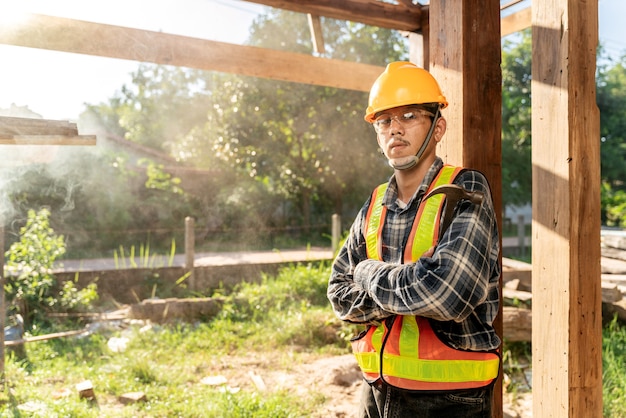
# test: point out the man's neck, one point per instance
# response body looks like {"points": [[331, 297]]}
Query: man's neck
{"points": [[409, 181]]}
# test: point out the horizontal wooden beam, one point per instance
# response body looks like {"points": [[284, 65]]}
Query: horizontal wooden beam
{"points": [[30, 131], [30, 126], [516, 22], [47, 140], [68, 35], [402, 16]]}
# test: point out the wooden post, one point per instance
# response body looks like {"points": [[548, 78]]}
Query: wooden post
{"points": [[190, 243], [419, 43], [315, 26], [465, 55], [336, 232], [521, 235], [567, 312], [418, 49]]}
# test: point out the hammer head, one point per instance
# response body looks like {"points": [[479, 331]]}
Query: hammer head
{"points": [[455, 193]]}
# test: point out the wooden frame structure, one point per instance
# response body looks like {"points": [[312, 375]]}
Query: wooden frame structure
{"points": [[459, 41], [567, 311]]}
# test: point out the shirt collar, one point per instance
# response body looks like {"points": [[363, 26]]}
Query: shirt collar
{"points": [[391, 195]]}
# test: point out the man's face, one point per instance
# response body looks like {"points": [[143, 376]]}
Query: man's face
{"points": [[402, 130]]}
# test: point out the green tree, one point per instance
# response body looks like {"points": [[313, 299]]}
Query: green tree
{"points": [[516, 121], [516, 128], [162, 104], [611, 98], [30, 262], [297, 139], [284, 153]]}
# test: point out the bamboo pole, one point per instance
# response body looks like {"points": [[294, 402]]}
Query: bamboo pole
{"points": [[47, 337]]}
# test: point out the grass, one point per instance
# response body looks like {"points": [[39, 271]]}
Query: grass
{"points": [[274, 325], [287, 317], [145, 259], [613, 367]]}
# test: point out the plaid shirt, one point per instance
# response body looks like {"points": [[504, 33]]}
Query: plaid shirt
{"points": [[457, 287]]}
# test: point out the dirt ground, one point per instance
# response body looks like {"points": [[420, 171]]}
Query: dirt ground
{"points": [[336, 378]]}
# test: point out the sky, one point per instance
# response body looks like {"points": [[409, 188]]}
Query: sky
{"points": [[57, 84]]}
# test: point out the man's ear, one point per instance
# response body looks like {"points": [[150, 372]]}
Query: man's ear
{"points": [[440, 128]]}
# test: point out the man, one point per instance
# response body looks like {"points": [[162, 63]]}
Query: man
{"points": [[426, 284]]}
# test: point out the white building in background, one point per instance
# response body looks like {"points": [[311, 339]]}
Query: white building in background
{"points": [[512, 214]]}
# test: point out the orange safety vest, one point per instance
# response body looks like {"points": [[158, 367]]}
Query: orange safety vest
{"points": [[404, 351]]}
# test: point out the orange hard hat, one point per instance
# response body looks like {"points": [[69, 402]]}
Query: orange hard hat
{"points": [[401, 84]]}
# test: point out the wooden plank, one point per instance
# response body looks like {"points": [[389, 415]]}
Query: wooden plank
{"points": [[419, 43], [317, 37], [47, 140], [610, 293], [516, 22], [519, 295], [47, 337], [517, 324], [614, 241], [31, 126], [404, 16], [567, 333], [613, 264], [466, 62], [68, 35], [618, 279]]}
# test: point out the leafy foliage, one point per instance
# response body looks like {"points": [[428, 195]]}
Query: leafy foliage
{"points": [[285, 315], [614, 206], [30, 263], [282, 155], [293, 303], [516, 128], [611, 98], [516, 118], [261, 163], [291, 318]]}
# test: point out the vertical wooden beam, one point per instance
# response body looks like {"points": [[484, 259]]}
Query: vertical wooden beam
{"points": [[465, 56], [419, 43], [417, 49], [317, 37], [567, 314]]}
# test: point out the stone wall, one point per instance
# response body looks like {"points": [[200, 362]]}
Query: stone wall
{"points": [[126, 286]]}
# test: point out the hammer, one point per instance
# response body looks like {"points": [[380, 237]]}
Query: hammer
{"points": [[454, 194]]}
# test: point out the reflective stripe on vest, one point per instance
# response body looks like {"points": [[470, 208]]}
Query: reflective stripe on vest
{"points": [[411, 354], [425, 230]]}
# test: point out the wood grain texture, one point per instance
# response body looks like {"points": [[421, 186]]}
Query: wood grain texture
{"points": [[567, 339], [69, 35]]}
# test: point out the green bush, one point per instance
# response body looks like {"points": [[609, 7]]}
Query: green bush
{"points": [[613, 205], [31, 284]]}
